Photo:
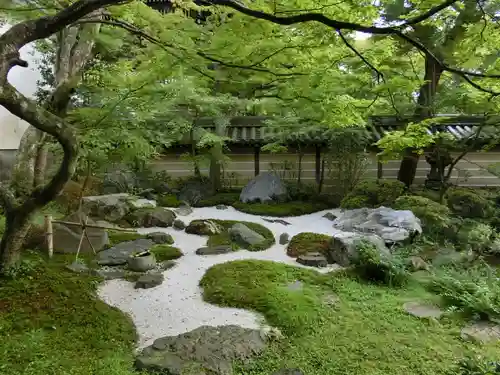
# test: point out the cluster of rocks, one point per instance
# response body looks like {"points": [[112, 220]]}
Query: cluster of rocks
{"points": [[383, 227]]}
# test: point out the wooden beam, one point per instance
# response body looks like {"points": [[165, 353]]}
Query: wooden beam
{"points": [[256, 159], [318, 164]]}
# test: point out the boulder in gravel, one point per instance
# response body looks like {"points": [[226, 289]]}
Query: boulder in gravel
{"points": [[244, 236], [160, 238], [111, 207], [265, 187], [119, 254], [67, 237], [178, 224], [312, 260], [392, 226], [284, 238], [205, 350], [343, 247], [184, 210], [330, 216], [149, 281], [215, 250], [204, 227], [149, 218], [221, 207]]}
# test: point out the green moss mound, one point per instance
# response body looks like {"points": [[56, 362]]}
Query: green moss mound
{"points": [[227, 199], [116, 237], [168, 200], [280, 209], [166, 252], [307, 242], [366, 332], [224, 238], [469, 203], [373, 193], [52, 322]]}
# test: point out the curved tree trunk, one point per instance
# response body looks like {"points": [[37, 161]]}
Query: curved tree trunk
{"points": [[424, 110]]}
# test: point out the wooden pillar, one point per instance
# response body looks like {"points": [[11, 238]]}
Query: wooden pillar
{"points": [[318, 164], [256, 159]]}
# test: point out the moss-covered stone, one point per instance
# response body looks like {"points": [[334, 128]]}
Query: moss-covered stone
{"points": [[168, 200], [116, 237], [307, 242], [166, 252]]}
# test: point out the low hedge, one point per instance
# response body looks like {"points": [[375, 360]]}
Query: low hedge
{"points": [[280, 209], [307, 242]]}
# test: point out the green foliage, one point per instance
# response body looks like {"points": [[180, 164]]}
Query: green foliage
{"points": [[475, 235], [468, 203], [323, 339], [473, 291], [307, 242], [477, 365], [280, 209], [116, 237], [372, 266], [165, 252], [52, 321], [374, 192], [168, 200], [227, 199], [434, 216]]}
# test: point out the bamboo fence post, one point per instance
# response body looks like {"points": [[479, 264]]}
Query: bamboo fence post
{"points": [[49, 235]]}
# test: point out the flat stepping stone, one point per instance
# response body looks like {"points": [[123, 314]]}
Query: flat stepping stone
{"points": [[422, 310], [481, 332], [295, 286], [215, 250], [312, 260], [330, 300], [149, 281]]}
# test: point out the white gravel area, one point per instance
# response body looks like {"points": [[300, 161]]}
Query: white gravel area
{"points": [[176, 306]]}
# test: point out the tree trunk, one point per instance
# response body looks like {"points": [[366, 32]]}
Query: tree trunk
{"points": [[424, 110], [16, 229]]}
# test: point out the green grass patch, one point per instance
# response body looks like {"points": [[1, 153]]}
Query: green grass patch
{"points": [[51, 322], [166, 252], [116, 237], [307, 242], [280, 209], [365, 333]]}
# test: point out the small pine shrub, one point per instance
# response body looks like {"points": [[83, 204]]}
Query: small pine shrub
{"points": [[351, 202], [434, 216], [475, 235], [469, 204], [372, 266], [374, 193]]}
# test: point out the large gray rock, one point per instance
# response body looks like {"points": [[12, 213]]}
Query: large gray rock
{"points": [[265, 187], [67, 237], [111, 207], [391, 225], [149, 218], [244, 236], [120, 253], [343, 247], [205, 350]]}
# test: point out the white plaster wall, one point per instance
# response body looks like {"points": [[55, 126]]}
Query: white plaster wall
{"points": [[24, 79]]}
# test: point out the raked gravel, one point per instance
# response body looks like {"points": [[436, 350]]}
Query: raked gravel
{"points": [[176, 306]]}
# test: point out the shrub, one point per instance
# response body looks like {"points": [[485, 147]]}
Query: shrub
{"points": [[69, 196], [372, 266], [165, 252], [168, 200], [306, 242], [476, 366], [280, 209], [434, 216], [469, 204], [227, 199], [351, 202], [475, 235], [375, 193], [473, 291]]}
